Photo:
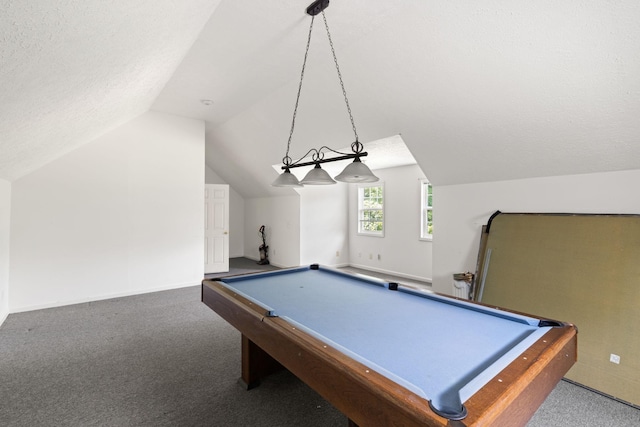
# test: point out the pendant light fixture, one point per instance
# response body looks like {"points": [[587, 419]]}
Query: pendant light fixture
{"points": [[355, 172]]}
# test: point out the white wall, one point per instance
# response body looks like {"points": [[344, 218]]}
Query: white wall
{"points": [[281, 218], [324, 225], [461, 210], [5, 216], [120, 215], [236, 214], [401, 251]]}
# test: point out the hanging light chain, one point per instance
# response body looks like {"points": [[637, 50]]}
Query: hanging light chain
{"points": [[344, 92], [356, 171], [286, 159]]}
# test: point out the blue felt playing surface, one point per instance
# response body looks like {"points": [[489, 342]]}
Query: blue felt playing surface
{"points": [[440, 349]]}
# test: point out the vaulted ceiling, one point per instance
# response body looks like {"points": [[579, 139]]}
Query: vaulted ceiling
{"points": [[479, 91]]}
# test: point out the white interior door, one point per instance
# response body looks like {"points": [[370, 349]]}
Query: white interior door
{"points": [[216, 228]]}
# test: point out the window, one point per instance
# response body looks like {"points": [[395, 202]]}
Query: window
{"points": [[371, 210], [426, 214]]}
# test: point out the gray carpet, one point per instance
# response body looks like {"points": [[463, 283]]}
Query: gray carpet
{"points": [[241, 266], [165, 359], [161, 359]]}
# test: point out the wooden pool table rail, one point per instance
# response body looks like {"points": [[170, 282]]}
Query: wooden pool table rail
{"points": [[368, 398]]}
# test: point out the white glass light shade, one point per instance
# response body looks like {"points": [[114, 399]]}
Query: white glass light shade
{"points": [[357, 172], [286, 179], [317, 176]]}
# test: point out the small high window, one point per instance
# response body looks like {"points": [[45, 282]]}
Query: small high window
{"points": [[426, 213]]}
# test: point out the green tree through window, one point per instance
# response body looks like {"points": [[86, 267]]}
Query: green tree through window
{"points": [[426, 226], [371, 210]]}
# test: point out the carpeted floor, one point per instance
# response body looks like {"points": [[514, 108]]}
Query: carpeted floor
{"points": [[161, 359], [165, 359], [241, 266]]}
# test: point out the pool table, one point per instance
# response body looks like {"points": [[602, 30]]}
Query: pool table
{"points": [[386, 354]]}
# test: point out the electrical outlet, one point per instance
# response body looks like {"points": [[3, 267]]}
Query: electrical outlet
{"points": [[379, 257], [337, 253], [370, 256], [614, 358]]}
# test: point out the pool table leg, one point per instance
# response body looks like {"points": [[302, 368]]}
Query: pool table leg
{"points": [[256, 364]]}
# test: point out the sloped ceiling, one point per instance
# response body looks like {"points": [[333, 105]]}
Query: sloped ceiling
{"points": [[72, 70], [479, 91]]}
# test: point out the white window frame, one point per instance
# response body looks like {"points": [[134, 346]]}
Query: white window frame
{"points": [[361, 209], [425, 207]]}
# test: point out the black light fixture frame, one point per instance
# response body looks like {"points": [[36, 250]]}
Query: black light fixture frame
{"points": [[317, 155], [317, 6]]}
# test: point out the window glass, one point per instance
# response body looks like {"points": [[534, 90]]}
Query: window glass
{"points": [[371, 210], [426, 214]]}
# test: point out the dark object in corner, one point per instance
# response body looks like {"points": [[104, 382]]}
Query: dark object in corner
{"points": [[264, 249]]}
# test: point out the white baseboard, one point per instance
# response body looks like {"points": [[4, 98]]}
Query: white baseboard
{"points": [[362, 267], [341, 265], [102, 297], [327, 265], [392, 273], [270, 262], [4, 313]]}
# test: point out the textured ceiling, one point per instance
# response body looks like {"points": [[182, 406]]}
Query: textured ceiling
{"points": [[72, 70], [479, 91]]}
